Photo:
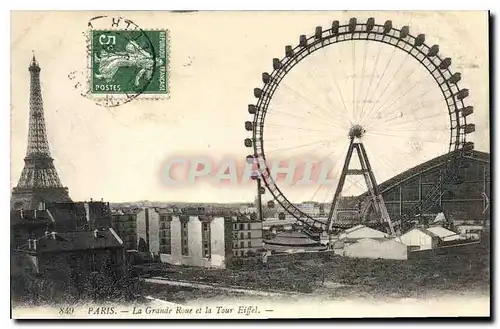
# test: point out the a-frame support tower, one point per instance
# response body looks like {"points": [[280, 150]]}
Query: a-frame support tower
{"points": [[376, 199]]}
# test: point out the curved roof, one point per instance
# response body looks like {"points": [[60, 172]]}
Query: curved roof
{"points": [[426, 166], [292, 239]]}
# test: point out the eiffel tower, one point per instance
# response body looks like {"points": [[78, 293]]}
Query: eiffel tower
{"points": [[39, 182]]}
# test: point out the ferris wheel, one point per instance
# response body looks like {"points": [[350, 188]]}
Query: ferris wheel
{"points": [[362, 87]]}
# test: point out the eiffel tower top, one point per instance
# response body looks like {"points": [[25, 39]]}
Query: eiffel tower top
{"points": [[34, 67], [37, 136]]}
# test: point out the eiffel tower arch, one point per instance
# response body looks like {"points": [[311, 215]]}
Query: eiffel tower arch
{"points": [[39, 181]]}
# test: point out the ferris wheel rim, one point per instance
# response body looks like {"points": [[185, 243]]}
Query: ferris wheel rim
{"points": [[324, 38]]}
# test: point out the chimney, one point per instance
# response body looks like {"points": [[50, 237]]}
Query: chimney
{"points": [[21, 213], [29, 243], [53, 235], [34, 244], [96, 233], [47, 232], [34, 214], [87, 211], [41, 206]]}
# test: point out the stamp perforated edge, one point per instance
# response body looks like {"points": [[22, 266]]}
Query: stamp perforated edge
{"points": [[141, 96]]}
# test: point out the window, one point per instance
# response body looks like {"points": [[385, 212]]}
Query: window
{"points": [[242, 235], [235, 245], [93, 263], [205, 239], [431, 177], [166, 238], [235, 235], [242, 253], [184, 236], [407, 207], [249, 235], [235, 226], [242, 226], [249, 244], [474, 172], [242, 244], [410, 191], [392, 209], [392, 194]]}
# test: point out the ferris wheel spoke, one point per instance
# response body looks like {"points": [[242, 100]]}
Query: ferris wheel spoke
{"points": [[399, 136], [354, 79], [298, 146], [427, 122], [303, 125], [339, 91], [298, 128], [397, 89], [362, 78], [380, 80], [321, 161], [408, 113], [369, 116], [379, 157], [357, 183], [303, 137], [416, 109], [343, 104], [334, 173], [321, 120], [433, 128], [365, 99], [331, 103], [336, 103], [320, 186], [328, 113], [416, 98], [412, 118]]}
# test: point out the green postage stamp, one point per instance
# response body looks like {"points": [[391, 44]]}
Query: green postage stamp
{"points": [[129, 62]]}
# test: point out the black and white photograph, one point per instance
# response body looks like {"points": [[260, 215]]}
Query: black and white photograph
{"points": [[250, 164]]}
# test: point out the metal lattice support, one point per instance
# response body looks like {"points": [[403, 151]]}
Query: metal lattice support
{"points": [[39, 181]]}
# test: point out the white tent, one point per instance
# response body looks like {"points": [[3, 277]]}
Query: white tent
{"points": [[444, 234], [440, 218]]}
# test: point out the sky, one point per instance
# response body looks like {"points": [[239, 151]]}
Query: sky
{"points": [[217, 58]]}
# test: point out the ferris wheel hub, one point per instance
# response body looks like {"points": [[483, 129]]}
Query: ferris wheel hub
{"points": [[356, 131]]}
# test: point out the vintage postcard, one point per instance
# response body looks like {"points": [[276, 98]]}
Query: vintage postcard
{"points": [[250, 165]]}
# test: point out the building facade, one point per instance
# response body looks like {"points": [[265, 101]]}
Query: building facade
{"points": [[247, 239], [72, 255], [147, 227], [195, 240], [60, 217], [419, 239], [190, 236], [124, 222]]}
